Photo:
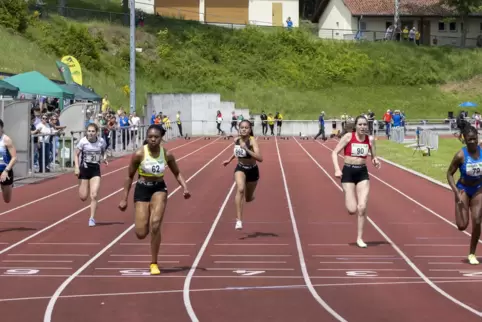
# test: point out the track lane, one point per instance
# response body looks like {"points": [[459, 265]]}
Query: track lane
{"points": [[29, 220], [420, 298], [265, 248], [65, 236], [179, 237], [435, 246]]}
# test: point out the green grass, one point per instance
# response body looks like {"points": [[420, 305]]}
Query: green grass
{"points": [[274, 70], [434, 166]]}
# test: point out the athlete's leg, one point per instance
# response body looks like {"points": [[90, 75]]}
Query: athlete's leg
{"points": [[84, 189], [349, 189], [141, 219], [476, 214], [250, 189], [94, 185], [7, 193], [240, 179], [462, 212], [362, 191], [158, 207]]}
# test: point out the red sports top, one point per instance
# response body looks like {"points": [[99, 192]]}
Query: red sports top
{"points": [[356, 148]]}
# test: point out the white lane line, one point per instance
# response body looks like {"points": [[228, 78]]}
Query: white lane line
{"points": [[249, 262], [247, 255], [80, 210], [144, 262], [435, 245], [61, 255], [147, 244], [187, 281], [397, 249], [69, 244], [74, 186], [34, 261], [343, 262], [160, 255], [50, 307], [299, 247], [268, 244]]}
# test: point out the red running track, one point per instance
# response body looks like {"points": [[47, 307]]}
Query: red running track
{"points": [[294, 260]]}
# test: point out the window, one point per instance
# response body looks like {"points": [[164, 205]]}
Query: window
{"points": [[363, 25], [453, 26], [441, 26]]}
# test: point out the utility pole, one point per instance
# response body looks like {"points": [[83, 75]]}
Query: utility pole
{"points": [[132, 45], [396, 18]]}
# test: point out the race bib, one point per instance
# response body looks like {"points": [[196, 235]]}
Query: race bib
{"points": [[92, 158], [1, 160], [474, 169], [239, 152], [359, 149], [154, 168]]}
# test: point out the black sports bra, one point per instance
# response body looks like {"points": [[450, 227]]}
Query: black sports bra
{"points": [[240, 152]]}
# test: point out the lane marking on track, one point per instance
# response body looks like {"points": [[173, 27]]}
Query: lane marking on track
{"points": [[249, 262], [147, 244], [278, 287], [410, 198], [190, 274], [69, 244], [247, 244], [160, 255], [299, 247], [83, 209], [50, 307], [248, 255], [66, 255], [395, 247], [74, 186], [36, 261]]}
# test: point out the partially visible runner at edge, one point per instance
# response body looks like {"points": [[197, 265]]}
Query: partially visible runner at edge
{"points": [[8, 158], [150, 195], [246, 173], [354, 176], [468, 198], [89, 153]]}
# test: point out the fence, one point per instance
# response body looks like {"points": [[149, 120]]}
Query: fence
{"points": [[424, 138], [397, 134]]}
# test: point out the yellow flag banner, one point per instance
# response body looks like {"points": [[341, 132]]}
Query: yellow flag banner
{"points": [[74, 67]]}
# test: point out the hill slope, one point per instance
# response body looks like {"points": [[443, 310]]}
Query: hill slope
{"points": [[258, 68]]}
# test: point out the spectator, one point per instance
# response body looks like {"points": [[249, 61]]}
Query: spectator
{"points": [[321, 123], [387, 118], [289, 23]]}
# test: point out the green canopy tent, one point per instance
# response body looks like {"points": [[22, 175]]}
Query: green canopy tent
{"points": [[7, 89], [37, 84], [81, 93]]}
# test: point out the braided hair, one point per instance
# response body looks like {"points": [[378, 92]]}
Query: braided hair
{"points": [[469, 130]]}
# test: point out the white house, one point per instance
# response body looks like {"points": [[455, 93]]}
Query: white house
{"points": [[347, 19], [232, 12]]}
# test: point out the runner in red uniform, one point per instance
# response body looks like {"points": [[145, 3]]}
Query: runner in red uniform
{"points": [[354, 176]]}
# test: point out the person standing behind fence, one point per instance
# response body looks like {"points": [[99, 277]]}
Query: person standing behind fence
{"points": [[44, 143], [279, 121], [134, 121], [124, 126], [234, 122], [219, 121], [468, 198], [321, 123], [387, 118], [371, 119], [264, 122], [179, 123]]}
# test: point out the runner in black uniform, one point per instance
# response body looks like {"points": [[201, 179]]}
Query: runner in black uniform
{"points": [[246, 173]]}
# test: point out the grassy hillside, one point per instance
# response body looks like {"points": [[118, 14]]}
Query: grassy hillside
{"points": [[280, 70]]}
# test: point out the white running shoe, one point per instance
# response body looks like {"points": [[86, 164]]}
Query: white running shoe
{"points": [[91, 222], [239, 225], [361, 243]]}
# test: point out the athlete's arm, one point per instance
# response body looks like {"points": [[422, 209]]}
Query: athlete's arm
{"points": [[13, 152], [256, 153], [373, 152], [104, 150], [453, 167], [136, 159], [78, 149], [171, 162], [340, 146]]}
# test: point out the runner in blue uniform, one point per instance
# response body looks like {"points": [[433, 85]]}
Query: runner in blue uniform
{"points": [[468, 198], [8, 157]]}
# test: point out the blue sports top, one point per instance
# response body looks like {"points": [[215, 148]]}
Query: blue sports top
{"points": [[5, 156], [471, 169]]}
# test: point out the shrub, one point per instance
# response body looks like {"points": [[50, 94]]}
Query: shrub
{"points": [[14, 14]]}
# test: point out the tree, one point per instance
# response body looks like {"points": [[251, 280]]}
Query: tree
{"points": [[464, 8]]}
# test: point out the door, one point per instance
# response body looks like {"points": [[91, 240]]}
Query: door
{"points": [[277, 12], [425, 37]]}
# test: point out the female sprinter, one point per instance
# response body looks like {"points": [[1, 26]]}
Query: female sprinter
{"points": [[354, 177], [246, 173], [150, 195], [467, 190], [8, 157], [89, 153]]}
